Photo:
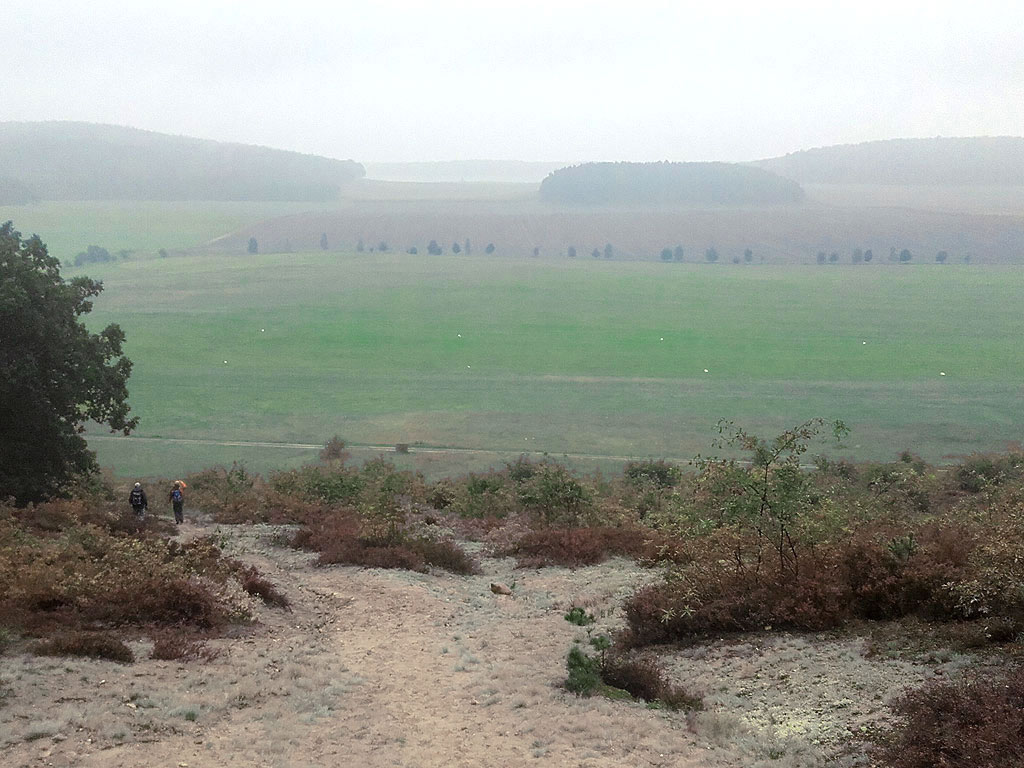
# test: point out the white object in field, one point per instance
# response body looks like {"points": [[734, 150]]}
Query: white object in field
{"points": [[662, 338], [942, 373], [225, 362], [459, 335], [863, 342], [467, 366], [263, 330], [705, 370]]}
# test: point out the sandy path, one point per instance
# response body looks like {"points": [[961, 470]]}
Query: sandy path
{"points": [[372, 668]]}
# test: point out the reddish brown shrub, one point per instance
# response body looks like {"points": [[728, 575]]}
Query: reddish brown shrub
{"points": [[96, 645], [338, 537], [643, 679], [258, 586], [574, 547], [975, 723], [446, 555], [731, 601], [171, 645], [176, 602]]}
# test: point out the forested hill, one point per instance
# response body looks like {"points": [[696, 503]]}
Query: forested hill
{"points": [[661, 183], [87, 161], [945, 161]]}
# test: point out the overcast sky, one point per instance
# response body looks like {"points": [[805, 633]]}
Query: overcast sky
{"points": [[560, 81]]}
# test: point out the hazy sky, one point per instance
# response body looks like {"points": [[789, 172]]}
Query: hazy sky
{"points": [[563, 81]]}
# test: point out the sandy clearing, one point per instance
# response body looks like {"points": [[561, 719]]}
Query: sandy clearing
{"points": [[389, 668], [373, 668]]}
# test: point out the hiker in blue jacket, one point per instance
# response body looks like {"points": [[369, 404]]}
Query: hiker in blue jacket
{"points": [[178, 502]]}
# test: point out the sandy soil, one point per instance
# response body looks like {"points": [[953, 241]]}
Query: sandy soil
{"points": [[388, 668]]}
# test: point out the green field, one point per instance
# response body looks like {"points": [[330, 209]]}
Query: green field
{"points": [[68, 228], [574, 357]]}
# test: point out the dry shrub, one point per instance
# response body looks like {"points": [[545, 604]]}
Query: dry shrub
{"points": [[95, 645], [338, 537], [729, 601], [642, 678], [258, 586], [177, 601], [174, 645], [446, 555], [974, 723], [85, 577], [936, 573], [574, 547]]}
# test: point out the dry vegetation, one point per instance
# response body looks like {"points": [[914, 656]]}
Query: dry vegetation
{"points": [[765, 612]]}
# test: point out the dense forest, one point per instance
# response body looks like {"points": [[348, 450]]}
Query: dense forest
{"points": [[84, 161], [950, 161], [688, 183]]}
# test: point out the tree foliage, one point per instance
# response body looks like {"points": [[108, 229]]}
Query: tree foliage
{"points": [[55, 374]]}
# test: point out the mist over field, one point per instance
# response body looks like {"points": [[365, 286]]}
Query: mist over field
{"points": [[520, 384]]}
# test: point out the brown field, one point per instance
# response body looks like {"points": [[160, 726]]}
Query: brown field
{"points": [[986, 223]]}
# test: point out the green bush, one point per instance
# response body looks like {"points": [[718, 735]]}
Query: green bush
{"points": [[579, 617], [584, 672]]}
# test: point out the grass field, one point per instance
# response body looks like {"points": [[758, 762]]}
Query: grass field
{"points": [[597, 358], [68, 228]]}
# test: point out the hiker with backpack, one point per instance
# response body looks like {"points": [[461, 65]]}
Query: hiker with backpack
{"points": [[138, 501], [178, 502]]}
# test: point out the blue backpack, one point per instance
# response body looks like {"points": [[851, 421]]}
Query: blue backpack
{"points": [[176, 496]]}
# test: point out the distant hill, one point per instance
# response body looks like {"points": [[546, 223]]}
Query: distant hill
{"points": [[86, 161], [952, 161], [517, 171], [674, 183]]}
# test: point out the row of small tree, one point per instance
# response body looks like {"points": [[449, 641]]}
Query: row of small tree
{"points": [[668, 254], [903, 256]]}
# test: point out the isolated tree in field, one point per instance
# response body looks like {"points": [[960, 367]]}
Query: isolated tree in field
{"points": [[489, 249], [666, 254], [609, 252], [323, 242], [967, 258], [821, 257], [412, 250], [253, 246], [536, 250], [334, 452], [456, 248], [868, 255], [677, 254], [93, 254], [711, 255], [748, 255], [359, 246], [433, 248], [467, 248], [941, 257], [735, 259], [905, 256], [857, 257], [162, 253], [572, 251], [596, 253], [833, 257], [55, 375], [382, 246]]}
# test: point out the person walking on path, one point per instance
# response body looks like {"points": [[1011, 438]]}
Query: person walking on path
{"points": [[178, 502], [137, 498]]}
